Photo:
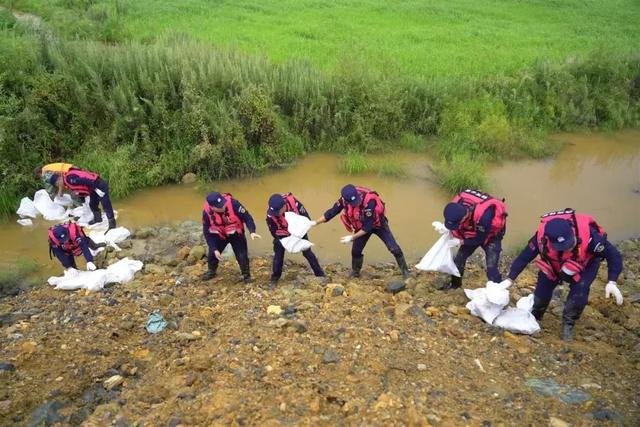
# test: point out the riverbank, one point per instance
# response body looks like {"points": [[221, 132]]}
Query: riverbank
{"points": [[347, 353]]}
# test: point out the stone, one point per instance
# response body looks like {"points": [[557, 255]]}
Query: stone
{"points": [[189, 178], [144, 233], [300, 327], [521, 345], [46, 414], [190, 378], [634, 298], [113, 382], [196, 253], [605, 414], [395, 287], [185, 336], [7, 367], [330, 357], [142, 354], [28, 347], [394, 335], [154, 269], [279, 322], [433, 419], [183, 253], [274, 310], [549, 387], [334, 290], [557, 422], [422, 367]]}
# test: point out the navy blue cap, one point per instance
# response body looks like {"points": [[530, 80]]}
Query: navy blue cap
{"points": [[453, 213], [350, 194], [276, 202], [560, 234], [53, 178], [216, 200], [61, 233]]}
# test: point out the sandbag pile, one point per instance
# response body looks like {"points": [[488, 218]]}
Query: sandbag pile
{"points": [[119, 272], [490, 304]]}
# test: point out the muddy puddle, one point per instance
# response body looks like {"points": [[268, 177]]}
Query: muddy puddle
{"points": [[598, 174]]}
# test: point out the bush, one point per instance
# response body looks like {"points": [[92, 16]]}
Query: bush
{"points": [[460, 173]]}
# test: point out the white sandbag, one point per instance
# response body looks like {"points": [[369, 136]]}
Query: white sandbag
{"points": [[111, 238], [481, 306], [122, 271], [83, 214], [440, 256], [298, 225], [49, 210], [517, 320], [27, 208], [497, 294], [294, 245], [25, 222], [525, 303], [64, 200]]}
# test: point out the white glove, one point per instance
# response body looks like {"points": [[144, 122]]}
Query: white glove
{"points": [[346, 239], [612, 289], [91, 266], [453, 242], [255, 236], [71, 272], [439, 227], [506, 283], [100, 193], [313, 223]]}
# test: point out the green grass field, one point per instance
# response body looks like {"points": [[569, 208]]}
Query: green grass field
{"points": [[416, 38]]}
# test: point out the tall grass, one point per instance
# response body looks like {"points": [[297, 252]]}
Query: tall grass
{"points": [[462, 171], [16, 276]]}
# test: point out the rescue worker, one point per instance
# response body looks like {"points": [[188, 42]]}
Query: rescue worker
{"points": [[363, 214], [44, 172], [571, 246], [67, 241], [84, 183], [223, 222], [278, 205], [478, 220]]}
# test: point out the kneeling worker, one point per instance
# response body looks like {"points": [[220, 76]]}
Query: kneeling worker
{"points": [[278, 205], [479, 221], [571, 246], [363, 213], [223, 222], [68, 241]]}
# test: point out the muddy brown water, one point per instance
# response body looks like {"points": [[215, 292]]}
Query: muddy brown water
{"points": [[598, 174]]}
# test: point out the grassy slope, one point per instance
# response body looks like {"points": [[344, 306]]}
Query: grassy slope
{"points": [[437, 38]]}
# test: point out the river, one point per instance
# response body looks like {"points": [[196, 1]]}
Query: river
{"points": [[595, 173]]}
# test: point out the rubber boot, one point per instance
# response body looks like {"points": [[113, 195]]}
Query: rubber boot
{"points": [[273, 282], [112, 223], [245, 270], [567, 332], [97, 217], [454, 283], [570, 315], [404, 269], [539, 307], [93, 245], [210, 274], [356, 266]]}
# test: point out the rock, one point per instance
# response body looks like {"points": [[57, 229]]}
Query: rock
{"points": [[190, 378], [401, 309], [144, 233], [300, 327], [334, 290], [394, 335], [7, 367], [433, 419], [154, 269], [28, 347], [189, 178], [330, 357], [605, 414], [279, 322], [196, 253], [183, 253], [274, 310], [46, 414], [113, 382], [422, 367], [634, 298], [549, 387], [588, 386], [557, 422], [520, 344], [185, 336], [126, 244], [395, 287]]}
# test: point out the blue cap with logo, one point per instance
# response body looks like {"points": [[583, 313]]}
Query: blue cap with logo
{"points": [[61, 233], [276, 202], [53, 179], [560, 234], [453, 214], [216, 200], [350, 194]]}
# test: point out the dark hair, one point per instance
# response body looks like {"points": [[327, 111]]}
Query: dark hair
{"points": [[38, 170]]}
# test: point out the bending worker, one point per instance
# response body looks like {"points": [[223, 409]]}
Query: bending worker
{"points": [[68, 241], [44, 172], [278, 205], [478, 220], [84, 183], [363, 213], [571, 246], [223, 222]]}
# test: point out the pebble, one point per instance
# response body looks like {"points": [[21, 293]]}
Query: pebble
{"points": [[278, 323], [422, 367], [394, 335], [557, 422], [334, 290], [395, 287], [7, 367], [274, 310], [330, 357], [113, 382]]}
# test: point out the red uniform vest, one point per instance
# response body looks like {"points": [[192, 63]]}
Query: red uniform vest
{"points": [[478, 203], [552, 261], [282, 227], [224, 223], [79, 189], [353, 216], [70, 245]]}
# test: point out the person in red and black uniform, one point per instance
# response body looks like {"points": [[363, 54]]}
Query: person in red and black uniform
{"points": [[84, 183], [363, 213], [570, 246], [68, 241], [478, 220], [278, 205], [223, 222]]}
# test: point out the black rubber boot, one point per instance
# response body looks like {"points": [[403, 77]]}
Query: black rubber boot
{"points": [[93, 245], [567, 332], [245, 270], [210, 274], [273, 282], [356, 266], [97, 217], [570, 315], [454, 283], [112, 223], [404, 269], [539, 307]]}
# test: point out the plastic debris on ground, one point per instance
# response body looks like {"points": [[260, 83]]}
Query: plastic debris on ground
{"points": [[298, 226], [119, 272], [490, 304], [156, 323], [440, 256]]}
